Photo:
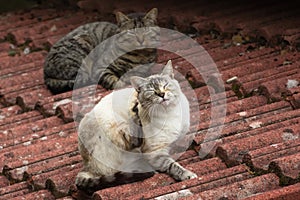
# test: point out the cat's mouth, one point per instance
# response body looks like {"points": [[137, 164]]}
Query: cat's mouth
{"points": [[165, 101]]}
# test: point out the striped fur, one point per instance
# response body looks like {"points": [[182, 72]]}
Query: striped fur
{"points": [[146, 120], [67, 63]]}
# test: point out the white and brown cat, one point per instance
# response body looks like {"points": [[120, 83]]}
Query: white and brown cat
{"points": [[132, 130]]}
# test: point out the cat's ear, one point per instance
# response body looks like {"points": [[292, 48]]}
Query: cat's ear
{"points": [[168, 69], [152, 14], [137, 82], [121, 18]]}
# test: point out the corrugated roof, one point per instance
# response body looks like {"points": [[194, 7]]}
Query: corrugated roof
{"points": [[255, 157]]}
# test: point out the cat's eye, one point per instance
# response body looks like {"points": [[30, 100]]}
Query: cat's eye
{"points": [[149, 93]]}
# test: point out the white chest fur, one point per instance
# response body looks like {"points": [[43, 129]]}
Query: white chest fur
{"points": [[167, 124]]}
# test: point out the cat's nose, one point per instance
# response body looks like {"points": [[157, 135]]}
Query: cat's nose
{"points": [[161, 94]]}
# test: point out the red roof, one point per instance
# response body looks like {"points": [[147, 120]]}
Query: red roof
{"points": [[255, 157]]}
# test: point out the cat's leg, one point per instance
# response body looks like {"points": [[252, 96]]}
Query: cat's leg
{"points": [[85, 179], [109, 80], [58, 86], [161, 161], [88, 182]]}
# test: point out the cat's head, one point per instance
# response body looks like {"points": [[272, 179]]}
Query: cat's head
{"points": [[161, 89], [137, 28]]}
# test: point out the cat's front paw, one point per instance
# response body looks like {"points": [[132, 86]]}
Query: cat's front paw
{"points": [[119, 84], [85, 180], [188, 175]]}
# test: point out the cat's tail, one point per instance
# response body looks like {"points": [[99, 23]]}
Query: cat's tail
{"points": [[89, 182]]}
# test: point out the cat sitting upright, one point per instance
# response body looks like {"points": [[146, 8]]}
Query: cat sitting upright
{"points": [[112, 142]]}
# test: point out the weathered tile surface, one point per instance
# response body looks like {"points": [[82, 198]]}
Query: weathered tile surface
{"points": [[255, 154]]}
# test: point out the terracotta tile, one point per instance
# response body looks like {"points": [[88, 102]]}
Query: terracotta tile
{"points": [[15, 90], [274, 89], [48, 106], [242, 121], [10, 98], [271, 30], [259, 113], [158, 180], [49, 41], [21, 118], [295, 101], [5, 47], [66, 198], [242, 189], [9, 112], [292, 38], [260, 159], [288, 193], [55, 147], [39, 149], [294, 90], [14, 190], [31, 17], [19, 69], [41, 194], [254, 69], [17, 134], [188, 154], [80, 104], [22, 78], [237, 107], [261, 12], [233, 152], [49, 164], [247, 58], [59, 185], [202, 183], [45, 29], [212, 145], [287, 167], [11, 62], [205, 99], [66, 111], [293, 97], [266, 29], [225, 14], [28, 100], [56, 180], [278, 120], [4, 182]]}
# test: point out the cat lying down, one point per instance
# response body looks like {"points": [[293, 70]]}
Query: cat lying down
{"points": [[130, 132], [65, 58]]}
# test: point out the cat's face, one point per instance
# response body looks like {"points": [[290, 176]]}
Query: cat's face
{"points": [[160, 89], [137, 29]]}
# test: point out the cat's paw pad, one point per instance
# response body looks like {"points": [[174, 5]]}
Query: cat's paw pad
{"points": [[188, 175]]}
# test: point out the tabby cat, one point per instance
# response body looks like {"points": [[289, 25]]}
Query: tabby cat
{"points": [[112, 142], [66, 57]]}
